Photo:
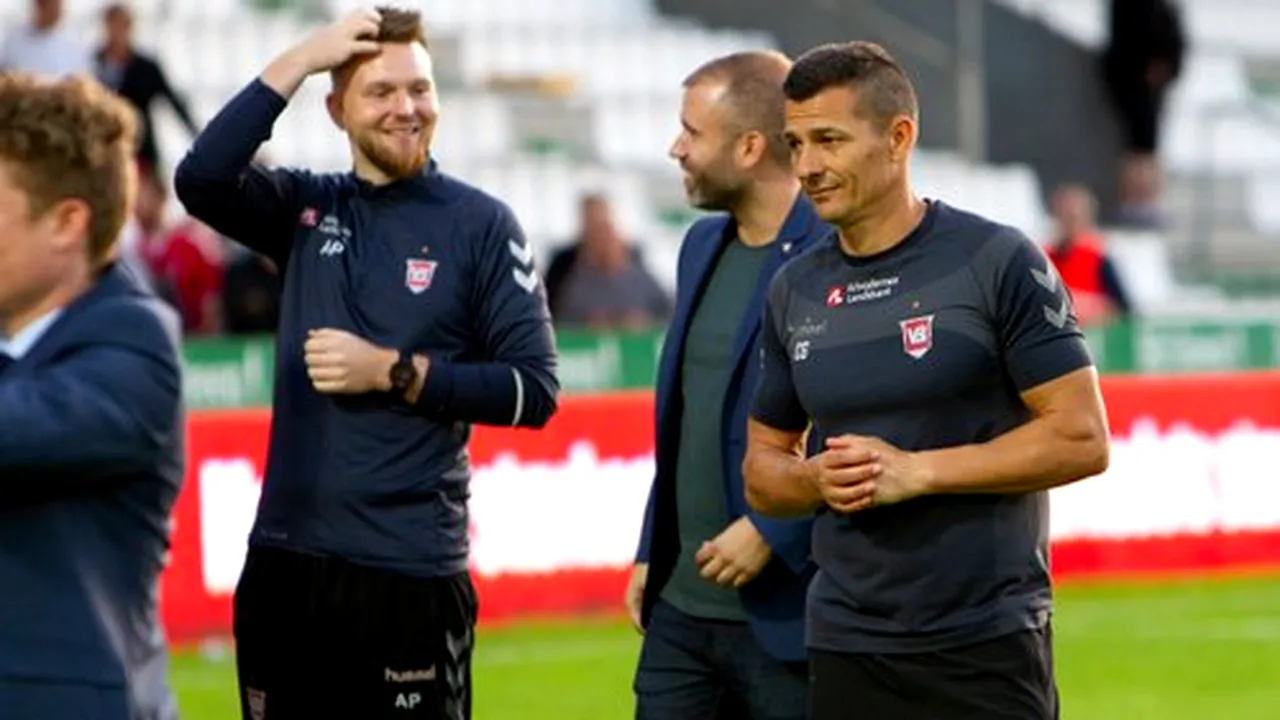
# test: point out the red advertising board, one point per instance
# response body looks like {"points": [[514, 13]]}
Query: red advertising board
{"points": [[556, 513]]}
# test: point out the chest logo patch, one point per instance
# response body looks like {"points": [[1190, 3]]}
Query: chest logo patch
{"points": [[835, 296], [418, 274], [917, 335]]}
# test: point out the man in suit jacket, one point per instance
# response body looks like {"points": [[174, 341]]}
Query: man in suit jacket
{"points": [[718, 590], [90, 417]]}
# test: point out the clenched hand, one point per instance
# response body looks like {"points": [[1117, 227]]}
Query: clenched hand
{"points": [[734, 557], [341, 363]]}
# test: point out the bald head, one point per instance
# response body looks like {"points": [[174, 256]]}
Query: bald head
{"points": [[751, 90]]}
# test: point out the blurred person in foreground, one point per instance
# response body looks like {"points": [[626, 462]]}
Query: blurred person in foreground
{"points": [[1079, 254], [718, 589], [91, 421], [933, 355], [139, 78], [601, 282], [411, 310]]}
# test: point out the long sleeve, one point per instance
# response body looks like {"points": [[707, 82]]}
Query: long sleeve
{"points": [[219, 183], [515, 384], [107, 407], [645, 549]]}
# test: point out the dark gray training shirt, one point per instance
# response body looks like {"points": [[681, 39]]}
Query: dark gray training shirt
{"points": [[925, 346]]}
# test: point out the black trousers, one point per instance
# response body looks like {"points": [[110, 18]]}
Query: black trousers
{"points": [[324, 638], [1007, 678]]}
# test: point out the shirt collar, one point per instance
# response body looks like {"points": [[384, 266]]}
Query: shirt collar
{"points": [[27, 337]]}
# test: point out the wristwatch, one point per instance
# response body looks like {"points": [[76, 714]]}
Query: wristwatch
{"points": [[403, 373]]}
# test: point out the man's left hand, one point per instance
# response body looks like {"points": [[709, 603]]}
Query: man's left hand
{"points": [[734, 557], [340, 363], [903, 475]]}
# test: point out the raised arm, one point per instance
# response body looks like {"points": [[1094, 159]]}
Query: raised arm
{"points": [[218, 182]]}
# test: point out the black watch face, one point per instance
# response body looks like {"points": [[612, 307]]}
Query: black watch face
{"points": [[402, 374]]}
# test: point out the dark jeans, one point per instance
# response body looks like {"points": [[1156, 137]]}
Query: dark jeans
{"points": [[695, 669]]}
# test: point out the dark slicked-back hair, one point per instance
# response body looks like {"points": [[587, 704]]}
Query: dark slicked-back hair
{"points": [[884, 90], [753, 91]]}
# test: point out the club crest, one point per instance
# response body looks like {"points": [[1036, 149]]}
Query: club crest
{"points": [[917, 335], [418, 274]]}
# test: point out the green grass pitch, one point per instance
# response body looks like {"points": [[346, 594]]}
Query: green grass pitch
{"points": [[1182, 650]]}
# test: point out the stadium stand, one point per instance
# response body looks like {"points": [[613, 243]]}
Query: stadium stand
{"points": [[546, 99], [1222, 147], [542, 100]]}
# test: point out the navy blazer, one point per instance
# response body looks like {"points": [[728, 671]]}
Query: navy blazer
{"points": [[91, 461], [775, 600]]}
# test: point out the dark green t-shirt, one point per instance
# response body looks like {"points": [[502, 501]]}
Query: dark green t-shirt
{"points": [[704, 378]]}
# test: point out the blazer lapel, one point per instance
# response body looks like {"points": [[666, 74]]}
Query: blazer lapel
{"points": [[790, 241], [702, 260]]}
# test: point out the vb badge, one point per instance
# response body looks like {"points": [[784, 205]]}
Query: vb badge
{"points": [[917, 335], [418, 274]]}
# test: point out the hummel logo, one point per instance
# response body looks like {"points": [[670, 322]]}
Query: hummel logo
{"points": [[1057, 318], [409, 676], [1047, 279], [522, 253], [457, 644], [523, 273], [332, 247]]}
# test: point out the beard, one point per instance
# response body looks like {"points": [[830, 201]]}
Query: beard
{"points": [[713, 187], [707, 192], [396, 162]]}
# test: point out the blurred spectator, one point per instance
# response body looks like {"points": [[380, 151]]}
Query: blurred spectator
{"points": [[137, 77], [250, 295], [601, 282], [45, 46], [185, 259], [1141, 61], [1078, 252]]}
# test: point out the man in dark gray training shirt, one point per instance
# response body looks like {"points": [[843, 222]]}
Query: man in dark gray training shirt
{"points": [[934, 355]]}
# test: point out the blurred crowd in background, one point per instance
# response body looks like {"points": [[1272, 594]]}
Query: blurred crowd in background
{"points": [[600, 278]]}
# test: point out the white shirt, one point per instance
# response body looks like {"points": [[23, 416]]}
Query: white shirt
{"points": [[54, 53], [27, 337]]}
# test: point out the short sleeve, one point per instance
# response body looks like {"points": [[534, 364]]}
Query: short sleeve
{"points": [[775, 402], [1039, 338]]}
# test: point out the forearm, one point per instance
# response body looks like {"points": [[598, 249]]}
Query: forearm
{"points": [[490, 393], [780, 483], [286, 73], [1044, 453]]}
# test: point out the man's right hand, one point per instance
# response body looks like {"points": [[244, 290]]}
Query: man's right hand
{"points": [[325, 49], [841, 475], [635, 594], [338, 42]]}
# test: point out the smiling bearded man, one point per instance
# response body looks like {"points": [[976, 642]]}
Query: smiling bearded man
{"points": [[410, 311]]}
